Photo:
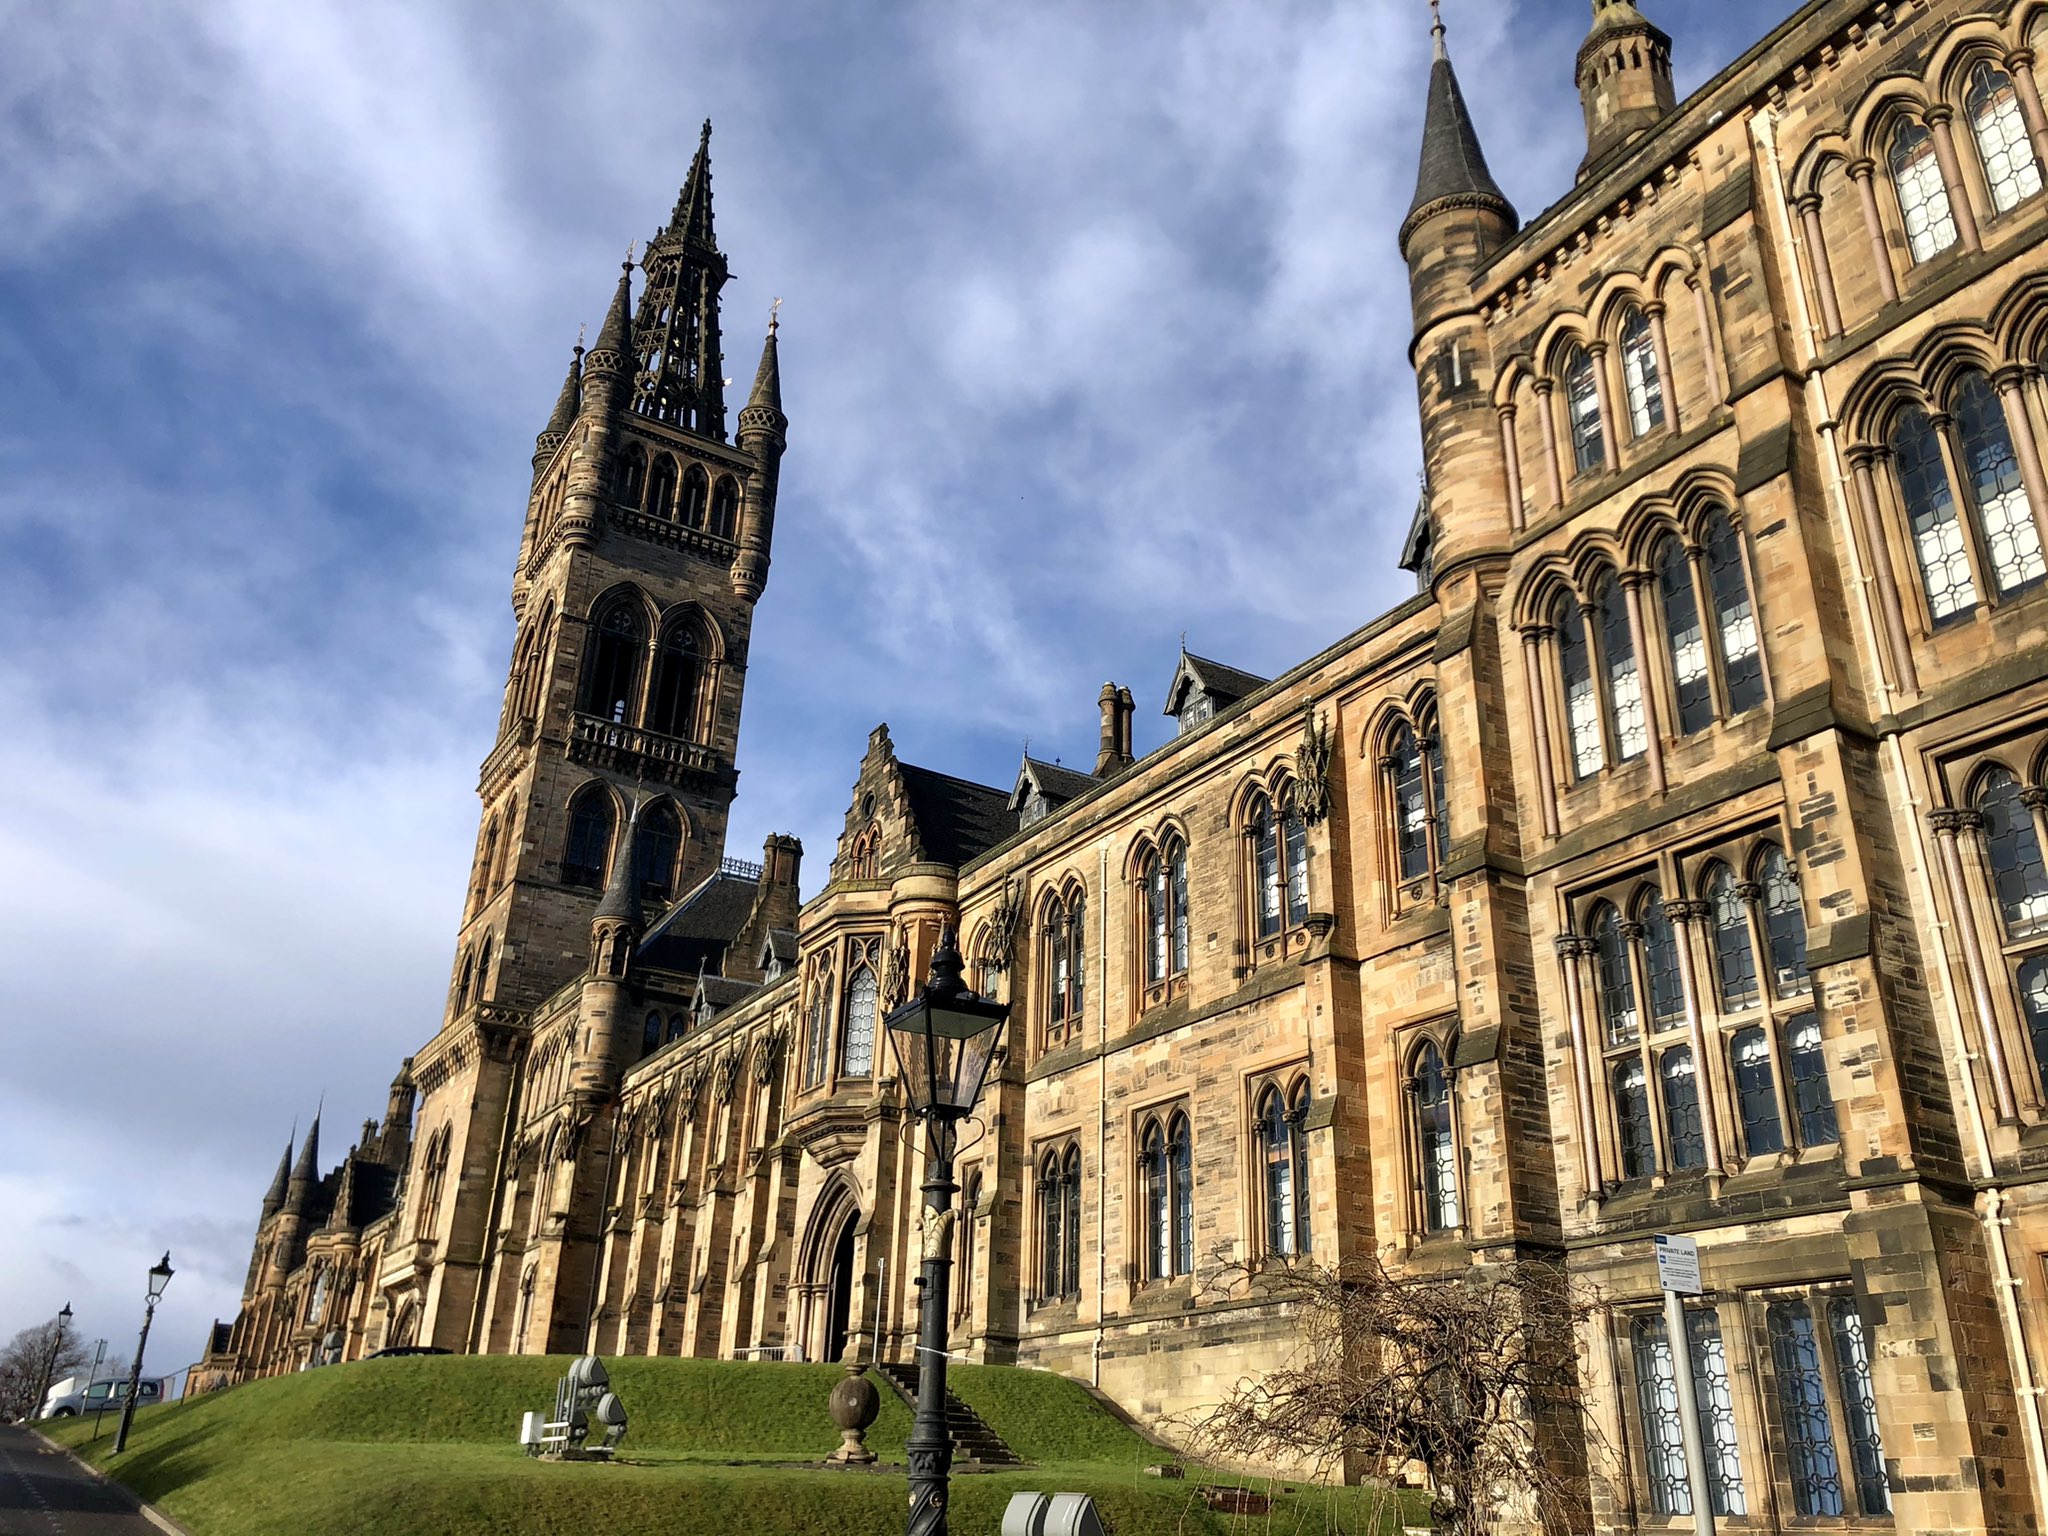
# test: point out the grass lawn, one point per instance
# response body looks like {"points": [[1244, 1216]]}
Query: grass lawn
{"points": [[422, 1446]]}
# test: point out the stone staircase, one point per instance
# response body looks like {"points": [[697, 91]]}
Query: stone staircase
{"points": [[974, 1443]]}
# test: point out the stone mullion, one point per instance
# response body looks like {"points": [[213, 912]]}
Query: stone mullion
{"points": [[1940, 120], [1571, 950], [1546, 400], [1710, 626], [1965, 500], [1661, 349], [1603, 693], [1603, 396], [1949, 825], [2010, 382], [1511, 461], [1686, 918], [1864, 174], [1708, 354], [1632, 583], [1899, 638], [1817, 254], [2020, 63], [1739, 524], [1534, 644], [1652, 1060]]}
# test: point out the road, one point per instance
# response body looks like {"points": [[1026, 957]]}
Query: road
{"points": [[46, 1493]]}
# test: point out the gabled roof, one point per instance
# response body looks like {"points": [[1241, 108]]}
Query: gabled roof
{"points": [[1225, 685], [720, 993], [695, 932], [1057, 783], [955, 819], [1419, 534], [778, 946]]}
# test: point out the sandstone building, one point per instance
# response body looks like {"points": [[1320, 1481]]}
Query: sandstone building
{"points": [[1670, 862]]}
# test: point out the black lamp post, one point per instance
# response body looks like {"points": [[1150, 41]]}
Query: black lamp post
{"points": [[159, 1277], [50, 1366], [945, 1039]]}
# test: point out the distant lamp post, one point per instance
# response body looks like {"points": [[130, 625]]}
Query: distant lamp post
{"points": [[159, 1277], [945, 1040], [50, 1366]]}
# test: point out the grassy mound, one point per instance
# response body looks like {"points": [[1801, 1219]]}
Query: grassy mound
{"points": [[423, 1446]]}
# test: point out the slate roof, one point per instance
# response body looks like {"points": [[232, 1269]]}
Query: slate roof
{"points": [[956, 819], [695, 932], [1453, 167], [780, 945], [1224, 684], [1056, 782], [721, 992]]}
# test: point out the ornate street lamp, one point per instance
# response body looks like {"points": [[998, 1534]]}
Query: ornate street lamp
{"points": [[50, 1366], [159, 1277], [945, 1039]]}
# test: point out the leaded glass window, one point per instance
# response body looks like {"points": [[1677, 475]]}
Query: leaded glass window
{"points": [[1296, 836], [1177, 866], [614, 676], [1715, 1397], [858, 1059], [2013, 848], [1813, 1104], [1052, 1211], [1276, 1138], [818, 1047], [1077, 959], [2033, 983], [1433, 756], [1411, 803], [1617, 984], [1784, 925], [1632, 1121], [1062, 974], [1803, 1410], [1931, 510], [1266, 861], [2010, 169], [1158, 919], [1639, 371], [1180, 1140], [1756, 1096], [1436, 1142], [1158, 1206], [1624, 682], [1859, 1406], [1581, 699], [1070, 1179], [590, 839], [1687, 640], [1742, 662], [1663, 1437], [1734, 958], [1582, 411], [650, 1034], [1685, 1136], [1923, 195], [1660, 964], [1297, 1116], [2012, 542]]}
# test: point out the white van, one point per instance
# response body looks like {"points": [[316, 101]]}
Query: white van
{"points": [[74, 1395]]}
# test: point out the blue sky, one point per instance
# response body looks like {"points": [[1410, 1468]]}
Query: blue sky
{"points": [[1093, 333]]}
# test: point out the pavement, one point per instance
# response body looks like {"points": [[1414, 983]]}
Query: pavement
{"points": [[47, 1492]]}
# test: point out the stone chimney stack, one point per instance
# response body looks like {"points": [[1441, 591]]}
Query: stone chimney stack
{"points": [[1118, 707]]}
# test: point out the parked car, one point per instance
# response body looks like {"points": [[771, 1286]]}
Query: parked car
{"points": [[73, 1396]]}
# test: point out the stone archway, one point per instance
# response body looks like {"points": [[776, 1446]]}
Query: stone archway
{"points": [[825, 1275]]}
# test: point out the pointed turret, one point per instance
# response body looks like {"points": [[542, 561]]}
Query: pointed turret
{"points": [[305, 1172], [764, 434], [1624, 77], [1453, 173], [767, 395], [274, 1199], [563, 416], [621, 900], [615, 337], [678, 363]]}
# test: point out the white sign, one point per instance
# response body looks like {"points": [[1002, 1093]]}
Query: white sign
{"points": [[1678, 1265]]}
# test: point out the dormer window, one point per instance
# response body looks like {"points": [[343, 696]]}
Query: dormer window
{"points": [[1199, 710]]}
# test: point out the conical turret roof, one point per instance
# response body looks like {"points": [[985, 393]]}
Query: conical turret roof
{"points": [[308, 1167], [615, 336], [621, 900], [567, 403], [281, 1182], [767, 393], [1453, 173]]}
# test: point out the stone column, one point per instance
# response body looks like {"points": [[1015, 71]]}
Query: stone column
{"points": [[1940, 119], [1683, 916], [2020, 62], [1949, 826], [1864, 173], [1553, 464], [1511, 458], [1662, 348], [1571, 949], [1708, 354], [2010, 382], [1823, 271], [1533, 640], [1861, 460], [1603, 393], [1632, 583]]}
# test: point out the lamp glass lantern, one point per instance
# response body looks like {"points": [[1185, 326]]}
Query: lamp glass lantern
{"points": [[159, 1277], [945, 1039]]}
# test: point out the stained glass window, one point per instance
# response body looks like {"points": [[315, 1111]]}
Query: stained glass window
{"points": [[2014, 850], [1734, 959], [1632, 1121], [2010, 169], [1639, 369], [1784, 925], [1617, 985], [1813, 1105], [1581, 699], [1684, 1135], [1803, 1410], [2012, 542], [1435, 1141], [1688, 642], [1582, 407], [1923, 195], [1742, 665], [1859, 1406], [1756, 1093], [1931, 509], [1624, 682]]}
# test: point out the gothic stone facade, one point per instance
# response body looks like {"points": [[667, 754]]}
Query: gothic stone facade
{"points": [[1671, 862]]}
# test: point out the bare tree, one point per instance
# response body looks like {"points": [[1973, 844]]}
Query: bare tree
{"points": [[27, 1366], [1469, 1375]]}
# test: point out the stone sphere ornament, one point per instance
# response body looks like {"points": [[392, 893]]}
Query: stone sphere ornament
{"points": [[854, 1404]]}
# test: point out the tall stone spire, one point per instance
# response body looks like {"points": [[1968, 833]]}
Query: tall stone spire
{"points": [[1453, 173], [764, 433], [767, 393], [563, 416], [1624, 77], [678, 374], [306, 1172], [614, 348], [278, 1185]]}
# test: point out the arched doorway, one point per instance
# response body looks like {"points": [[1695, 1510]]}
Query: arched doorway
{"points": [[827, 1265], [839, 1303]]}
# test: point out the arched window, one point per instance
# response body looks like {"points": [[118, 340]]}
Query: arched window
{"points": [[1684, 1133], [1052, 1215], [659, 840], [486, 862], [1297, 1117], [651, 1033], [1177, 878], [2005, 520], [590, 838], [1581, 698], [858, 1058], [483, 970], [1070, 1177], [2010, 169], [1813, 1105], [1166, 912], [1436, 1141], [629, 480], [1066, 942], [1756, 1094], [725, 508], [1784, 924], [1411, 803], [1660, 964], [1624, 682], [1181, 1151], [1433, 761], [1617, 985], [1582, 411], [2013, 849], [433, 1172], [1734, 957], [1158, 1182], [970, 1200], [1923, 195], [678, 1025], [1686, 640], [1266, 866], [1931, 512], [818, 1040], [611, 683], [672, 705], [1277, 1149], [1632, 1120], [696, 493], [1742, 667], [465, 980], [661, 487], [1639, 371]]}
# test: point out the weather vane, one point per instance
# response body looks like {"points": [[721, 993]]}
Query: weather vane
{"points": [[774, 315]]}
